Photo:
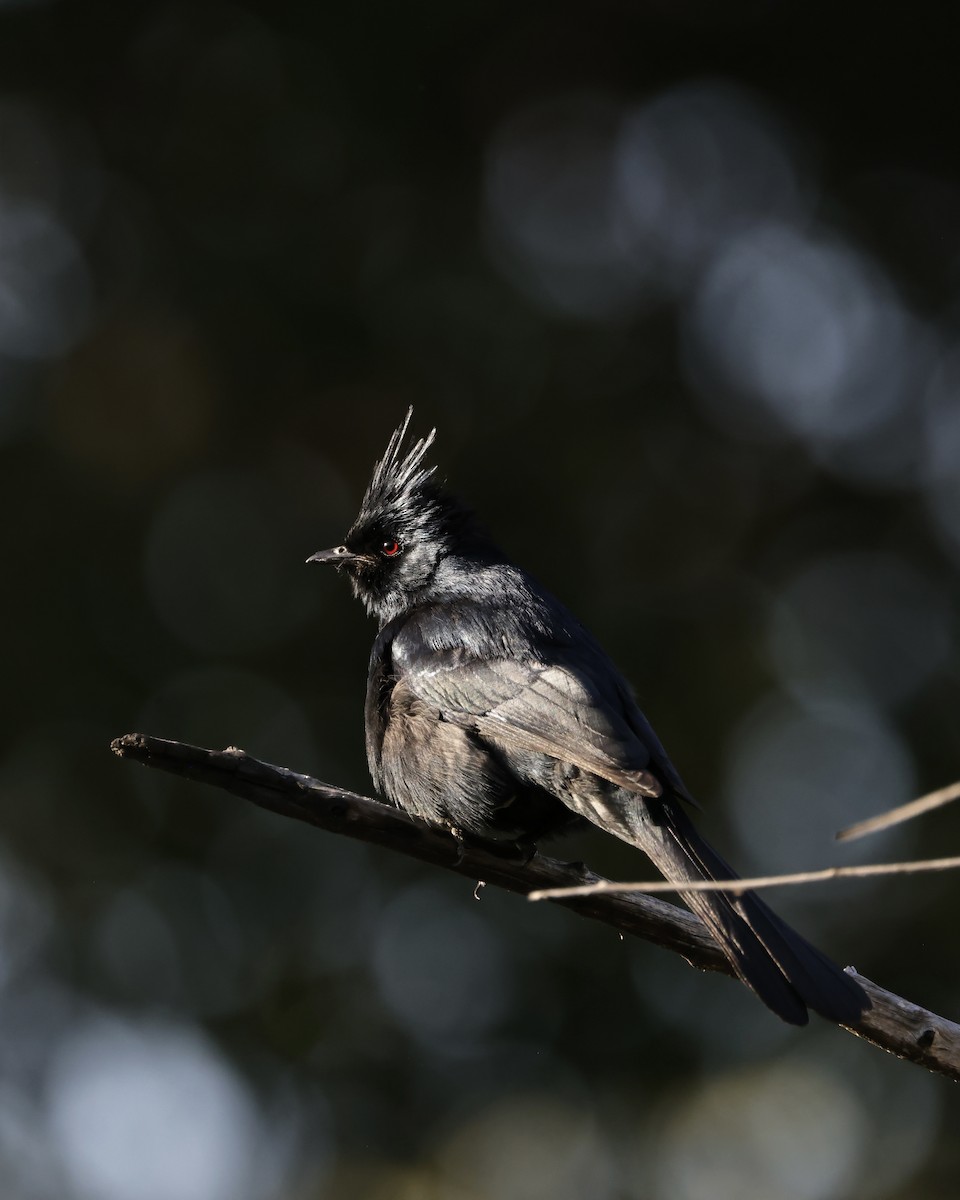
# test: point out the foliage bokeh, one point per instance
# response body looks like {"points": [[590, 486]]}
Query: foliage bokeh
{"points": [[678, 286]]}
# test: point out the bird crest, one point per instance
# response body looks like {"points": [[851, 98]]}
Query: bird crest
{"points": [[397, 478]]}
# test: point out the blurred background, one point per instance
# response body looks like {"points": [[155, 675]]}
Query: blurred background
{"points": [[678, 284]]}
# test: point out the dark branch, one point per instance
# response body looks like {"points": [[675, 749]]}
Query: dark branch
{"points": [[892, 1023]]}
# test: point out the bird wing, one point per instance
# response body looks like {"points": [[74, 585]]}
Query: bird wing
{"points": [[537, 707]]}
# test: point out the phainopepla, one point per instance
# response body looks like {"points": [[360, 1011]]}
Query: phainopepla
{"points": [[492, 711]]}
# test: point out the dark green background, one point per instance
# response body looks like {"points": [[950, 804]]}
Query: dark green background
{"points": [[235, 244]]}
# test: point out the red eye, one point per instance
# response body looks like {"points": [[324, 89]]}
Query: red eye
{"points": [[390, 548]]}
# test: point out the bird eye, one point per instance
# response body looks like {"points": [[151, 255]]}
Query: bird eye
{"points": [[390, 548]]}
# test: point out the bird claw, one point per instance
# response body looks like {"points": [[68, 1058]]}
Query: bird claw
{"points": [[526, 851]]}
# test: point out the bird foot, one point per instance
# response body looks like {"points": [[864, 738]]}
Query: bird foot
{"points": [[525, 851]]}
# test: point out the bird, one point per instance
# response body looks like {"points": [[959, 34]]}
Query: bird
{"points": [[492, 712]]}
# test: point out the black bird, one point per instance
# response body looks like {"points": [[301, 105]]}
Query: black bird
{"points": [[492, 711]]}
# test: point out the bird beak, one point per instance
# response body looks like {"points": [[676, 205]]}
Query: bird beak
{"points": [[338, 555]]}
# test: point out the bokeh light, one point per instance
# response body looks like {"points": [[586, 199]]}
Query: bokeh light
{"points": [[697, 167], [440, 969], [551, 199], [790, 1131], [532, 1144], [154, 1111], [866, 625], [798, 773], [805, 329], [942, 445]]}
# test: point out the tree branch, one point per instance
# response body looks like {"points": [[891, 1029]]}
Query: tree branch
{"points": [[922, 866], [903, 812], [891, 1023]]}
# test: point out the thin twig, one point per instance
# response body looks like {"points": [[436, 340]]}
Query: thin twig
{"points": [[904, 812], [891, 1023], [739, 886]]}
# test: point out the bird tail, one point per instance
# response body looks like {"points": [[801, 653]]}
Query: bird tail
{"points": [[787, 973]]}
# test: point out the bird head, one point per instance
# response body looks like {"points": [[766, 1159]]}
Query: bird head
{"points": [[405, 530]]}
